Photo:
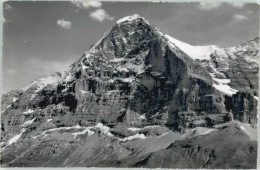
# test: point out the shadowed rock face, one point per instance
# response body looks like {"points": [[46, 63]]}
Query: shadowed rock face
{"points": [[133, 77]]}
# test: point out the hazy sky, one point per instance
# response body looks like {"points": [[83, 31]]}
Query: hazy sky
{"points": [[40, 38]]}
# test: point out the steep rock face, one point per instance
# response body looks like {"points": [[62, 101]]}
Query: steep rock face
{"points": [[245, 107], [233, 70], [133, 77]]}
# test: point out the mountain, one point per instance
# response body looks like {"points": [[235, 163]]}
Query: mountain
{"points": [[138, 98]]}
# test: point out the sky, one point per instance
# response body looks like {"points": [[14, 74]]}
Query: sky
{"points": [[40, 38]]}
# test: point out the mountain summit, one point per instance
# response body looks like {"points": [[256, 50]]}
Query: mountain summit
{"points": [[138, 97]]}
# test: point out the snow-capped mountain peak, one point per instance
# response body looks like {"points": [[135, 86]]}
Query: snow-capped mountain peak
{"points": [[131, 18]]}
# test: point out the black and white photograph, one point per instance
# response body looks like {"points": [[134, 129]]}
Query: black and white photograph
{"points": [[127, 84]]}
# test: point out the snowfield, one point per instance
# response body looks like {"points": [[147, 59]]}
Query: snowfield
{"points": [[195, 52]]}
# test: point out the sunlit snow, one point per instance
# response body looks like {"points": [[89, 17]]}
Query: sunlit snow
{"points": [[223, 81], [134, 129], [136, 136], [225, 89], [27, 123], [28, 111], [130, 18], [41, 83], [87, 130], [195, 52], [14, 99], [163, 135], [222, 85], [104, 129], [142, 117], [16, 137]]}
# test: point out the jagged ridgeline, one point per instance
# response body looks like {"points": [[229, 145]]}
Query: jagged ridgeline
{"points": [[139, 98]]}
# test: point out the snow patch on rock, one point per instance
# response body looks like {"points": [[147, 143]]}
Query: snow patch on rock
{"points": [[29, 111], [41, 83], [56, 129], [33, 96], [134, 129], [137, 68], [111, 91], [104, 129], [68, 78], [87, 130], [136, 136], [84, 91], [6, 108], [223, 81], [15, 98], [225, 88], [198, 131], [142, 117], [67, 128], [27, 123], [27, 87], [12, 140], [117, 60], [16, 137], [222, 85], [122, 69], [163, 135], [146, 127], [129, 79]]}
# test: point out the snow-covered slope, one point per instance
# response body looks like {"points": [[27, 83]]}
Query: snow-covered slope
{"points": [[219, 60], [195, 52]]}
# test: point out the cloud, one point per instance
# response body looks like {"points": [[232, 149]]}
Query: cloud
{"points": [[87, 4], [209, 5], [239, 18], [64, 24], [7, 6], [236, 4], [100, 15], [215, 5]]}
